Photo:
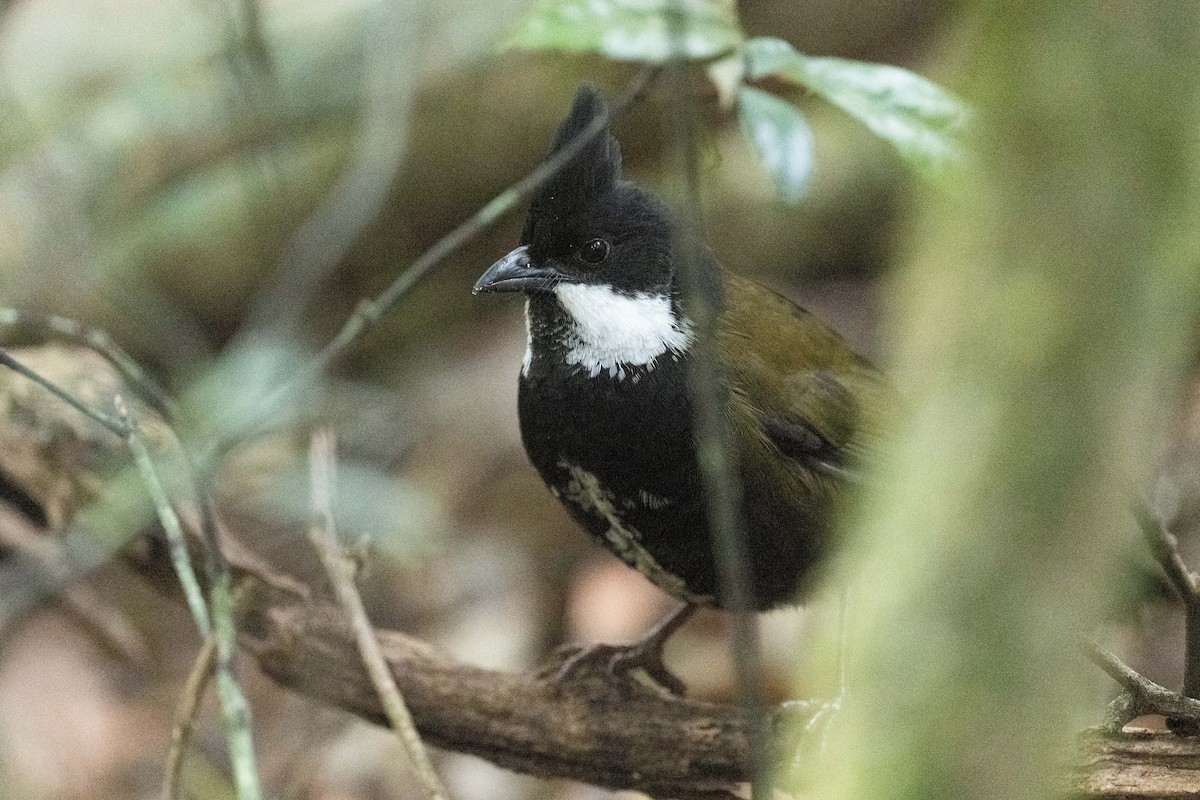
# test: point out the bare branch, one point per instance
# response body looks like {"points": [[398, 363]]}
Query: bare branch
{"points": [[1144, 696], [1165, 549], [596, 728], [105, 420], [369, 312], [54, 325], [341, 571], [185, 718]]}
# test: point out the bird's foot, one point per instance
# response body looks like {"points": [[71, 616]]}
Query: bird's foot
{"points": [[622, 659], [617, 660]]}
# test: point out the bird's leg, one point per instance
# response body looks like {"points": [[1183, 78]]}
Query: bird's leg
{"points": [[646, 653]]}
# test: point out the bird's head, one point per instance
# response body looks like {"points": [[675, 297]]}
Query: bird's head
{"points": [[587, 227]]}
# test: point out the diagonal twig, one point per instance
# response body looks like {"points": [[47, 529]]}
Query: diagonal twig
{"points": [[341, 570], [98, 340], [1164, 546], [1142, 695], [1165, 549], [185, 718], [369, 312], [106, 421], [169, 521], [217, 623]]}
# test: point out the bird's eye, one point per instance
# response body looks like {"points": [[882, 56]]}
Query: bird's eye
{"points": [[593, 251]]}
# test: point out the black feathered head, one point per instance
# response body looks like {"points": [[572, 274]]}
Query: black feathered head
{"points": [[587, 226], [592, 172]]}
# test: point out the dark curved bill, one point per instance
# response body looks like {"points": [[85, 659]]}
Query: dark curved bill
{"points": [[516, 272]]}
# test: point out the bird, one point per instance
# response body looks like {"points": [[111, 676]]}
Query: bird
{"points": [[604, 407]]}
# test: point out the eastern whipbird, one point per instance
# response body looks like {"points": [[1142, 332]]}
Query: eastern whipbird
{"points": [[605, 411]]}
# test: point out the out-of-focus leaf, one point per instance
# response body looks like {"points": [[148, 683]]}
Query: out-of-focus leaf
{"points": [[920, 119], [405, 519], [142, 154], [230, 397], [632, 30], [782, 138], [727, 75]]}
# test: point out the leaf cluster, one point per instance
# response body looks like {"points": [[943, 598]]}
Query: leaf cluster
{"points": [[923, 122]]}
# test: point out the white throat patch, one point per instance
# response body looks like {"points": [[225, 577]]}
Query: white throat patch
{"points": [[612, 331]]}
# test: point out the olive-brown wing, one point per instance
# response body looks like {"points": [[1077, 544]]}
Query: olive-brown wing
{"points": [[813, 398]]}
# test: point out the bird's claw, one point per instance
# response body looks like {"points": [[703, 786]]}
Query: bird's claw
{"points": [[617, 660]]}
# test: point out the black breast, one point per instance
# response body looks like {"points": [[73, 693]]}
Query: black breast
{"points": [[619, 454]]}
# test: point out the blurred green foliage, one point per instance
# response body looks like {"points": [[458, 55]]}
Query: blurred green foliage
{"points": [[922, 121], [1042, 327], [146, 151], [633, 30], [781, 137]]}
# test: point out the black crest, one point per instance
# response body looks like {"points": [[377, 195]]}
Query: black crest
{"points": [[594, 170]]}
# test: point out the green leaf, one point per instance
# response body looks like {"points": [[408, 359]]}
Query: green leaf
{"points": [[920, 119], [632, 30], [782, 138]]}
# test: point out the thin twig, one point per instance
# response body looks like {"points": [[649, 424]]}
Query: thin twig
{"points": [[106, 421], [1164, 546], [185, 718], [1144, 695], [169, 521], [1165, 549], [369, 312], [234, 710], [341, 571], [100, 341], [702, 298]]}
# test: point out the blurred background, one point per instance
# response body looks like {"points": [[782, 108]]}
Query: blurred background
{"points": [[219, 199]]}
